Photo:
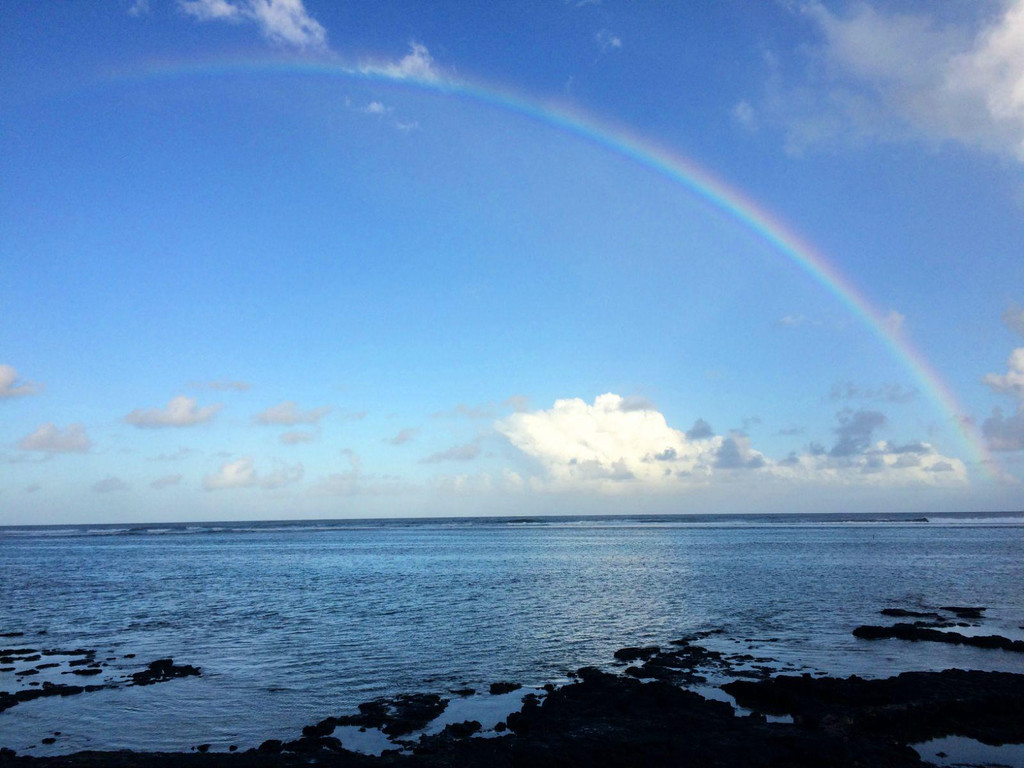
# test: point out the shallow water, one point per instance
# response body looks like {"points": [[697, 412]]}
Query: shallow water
{"points": [[294, 622]]}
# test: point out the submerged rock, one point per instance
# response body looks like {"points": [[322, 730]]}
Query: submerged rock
{"points": [[159, 671]]}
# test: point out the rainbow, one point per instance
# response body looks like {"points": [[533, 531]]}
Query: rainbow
{"points": [[627, 143]]}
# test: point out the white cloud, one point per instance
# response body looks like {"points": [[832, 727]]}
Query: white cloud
{"points": [[894, 76], [375, 108], [12, 386], [1012, 382], [166, 481], [242, 474], [609, 448], [110, 484], [51, 439], [295, 438], [289, 414], [181, 411], [280, 21], [418, 64]]}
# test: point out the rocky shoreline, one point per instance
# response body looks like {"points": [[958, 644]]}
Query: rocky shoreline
{"points": [[643, 715]]}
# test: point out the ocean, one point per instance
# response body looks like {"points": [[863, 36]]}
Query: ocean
{"points": [[293, 621]]}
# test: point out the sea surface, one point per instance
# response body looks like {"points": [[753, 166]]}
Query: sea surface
{"points": [[293, 622]]}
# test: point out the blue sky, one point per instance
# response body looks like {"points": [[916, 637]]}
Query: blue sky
{"points": [[284, 259]]}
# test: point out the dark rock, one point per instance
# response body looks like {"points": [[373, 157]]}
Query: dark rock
{"points": [[48, 740], [464, 691], [912, 707], [965, 611], [86, 672], [12, 634], [501, 727], [162, 670], [461, 730], [233, 748], [633, 653], [504, 687], [51, 665], [26, 672], [203, 748], [395, 716], [272, 746], [79, 662], [915, 633]]}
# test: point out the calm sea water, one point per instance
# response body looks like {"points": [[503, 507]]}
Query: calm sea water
{"points": [[292, 622]]}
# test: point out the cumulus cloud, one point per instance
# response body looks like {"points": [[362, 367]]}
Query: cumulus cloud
{"points": [[166, 481], [49, 438], [403, 436], [285, 22], [699, 431], [1004, 433], [854, 431], [466, 452], [110, 484], [181, 411], [296, 438], [418, 64], [12, 386], [604, 447], [1011, 382], [890, 75], [242, 474], [289, 414]]}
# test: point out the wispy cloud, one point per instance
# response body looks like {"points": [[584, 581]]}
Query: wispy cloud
{"points": [[289, 414], [110, 484], [181, 411], [607, 41], [297, 438], [466, 452], [889, 393], [12, 386], [49, 438], [166, 481], [404, 436], [284, 22]]}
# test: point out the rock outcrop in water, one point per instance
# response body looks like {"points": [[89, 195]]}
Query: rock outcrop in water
{"points": [[914, 632]]}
